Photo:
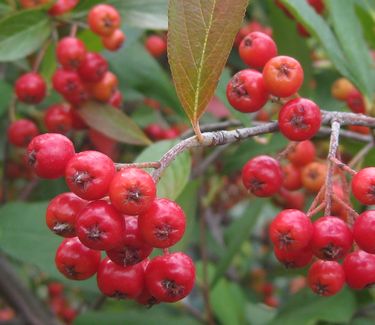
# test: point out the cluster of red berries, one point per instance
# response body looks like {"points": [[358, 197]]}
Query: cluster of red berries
{"points": [[58, 8], [116, 212], [59, 303], [282, 76]]}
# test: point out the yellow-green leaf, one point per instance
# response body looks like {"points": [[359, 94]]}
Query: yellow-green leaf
{"points": [[200, 37]]}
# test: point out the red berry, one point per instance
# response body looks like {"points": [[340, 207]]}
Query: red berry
{"points": [[89, 173], [21, 132], [104, 144], [120, 282], [318, 5], [116, 99], [99, 226], [103, 19], [291, 230], [93, 68], [133, 249], [145, 298], [70, 52], [356, 102], [49, 153], [326, 278], [58, 119], [105, 88], [292, 177], [170, 277], [75, 261], [302, 154], [256, 49], [132, 191], [290, 200], [154, 131], [300, 119], [114, 41], [363, 186], [364, 231], [60, 7], [262, 176], [55, 289], [293, 260], [332, 238], [246, 91], [359, 268], [156, 45], [163, 224], [77, 122], [30, 88], [62, 213], [283, 76]]}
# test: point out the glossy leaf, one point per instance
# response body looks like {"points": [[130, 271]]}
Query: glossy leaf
{"points": [[176, 176], [112, 123], [201, 35], [22, 33]]}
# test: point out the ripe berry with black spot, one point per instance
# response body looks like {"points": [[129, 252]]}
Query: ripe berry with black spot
{"points": [[262, 176], [30, 88], [246, 91], [21, 132], [326, 278], [76, 261], [58, 118], [89, 173], [93, 68], [70, 52], [99, 226], [364, 231], [103, 19], [359, 268], [48, 154], [293, 260], [314, 175], [363, 186], [291, 230]]}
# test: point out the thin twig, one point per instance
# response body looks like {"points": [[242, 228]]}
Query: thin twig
{"points": [[345, 205], [73, 30], [193, 311], [318, 198], [212, 127], [151, 164], [39, 58], [316, 210], [290, 147], [343, 166], [208, 161]]}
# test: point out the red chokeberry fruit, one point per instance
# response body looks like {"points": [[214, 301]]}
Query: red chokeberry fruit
{"points": [[48, 154], [356, 102], [359, 268], [318, 5], [61, 7], [76, 261], [70, 52], [103, 19], [291, 177], [302, 154], [58, 118], [262, 176], [246, 91], [364, 231], [300, 119], [93, 68], [30, 88], [89, 174], [363, 186], [21, 132], [170, 277], [114, 41], [156, 45], [104, 89], [295, 259]]}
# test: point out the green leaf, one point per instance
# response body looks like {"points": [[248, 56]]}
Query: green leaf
{"points": [[350, 36], [112, 123], [246, 223], [49, 63], [258, 314], [25, 237], [137, 69], [144, 14], [22, 33], [307, 308], [200, 37], [176, 176], [6, 92]]}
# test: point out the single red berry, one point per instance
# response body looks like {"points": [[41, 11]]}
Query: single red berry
{"points": [[332, 238], [145, 298], [156, 45], [93, 68], [58, 118], [302, 30], [318, 5], [99, 226], [363, 186], [295, 259], [114, 41], [49, 153], [55, 289], [292, 177], [68, 314], [154, 131], [291, 230], [290, 200], [116, 99], [326, 278], [70, 52], [256, 49], [104, 144], [163, 224], [21, 132], [314, 175], [356, 102], [300, 119], [30, 88], [302, 154], [170, 277], [120, 282], [89, 173], [75, 261], [262, 176], [364, 231], [62, 213], [103, 19], [133, 248], [132, 191], [359, 268], [283, 76], [105, 88], [171, 133], [61, 7], [246, 91]]}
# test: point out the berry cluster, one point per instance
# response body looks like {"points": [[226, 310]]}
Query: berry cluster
{"points": [[116, 212]]}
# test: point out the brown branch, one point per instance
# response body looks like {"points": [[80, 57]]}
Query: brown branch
{"points": [[314, 211], [343, 166], [151, 164]]}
